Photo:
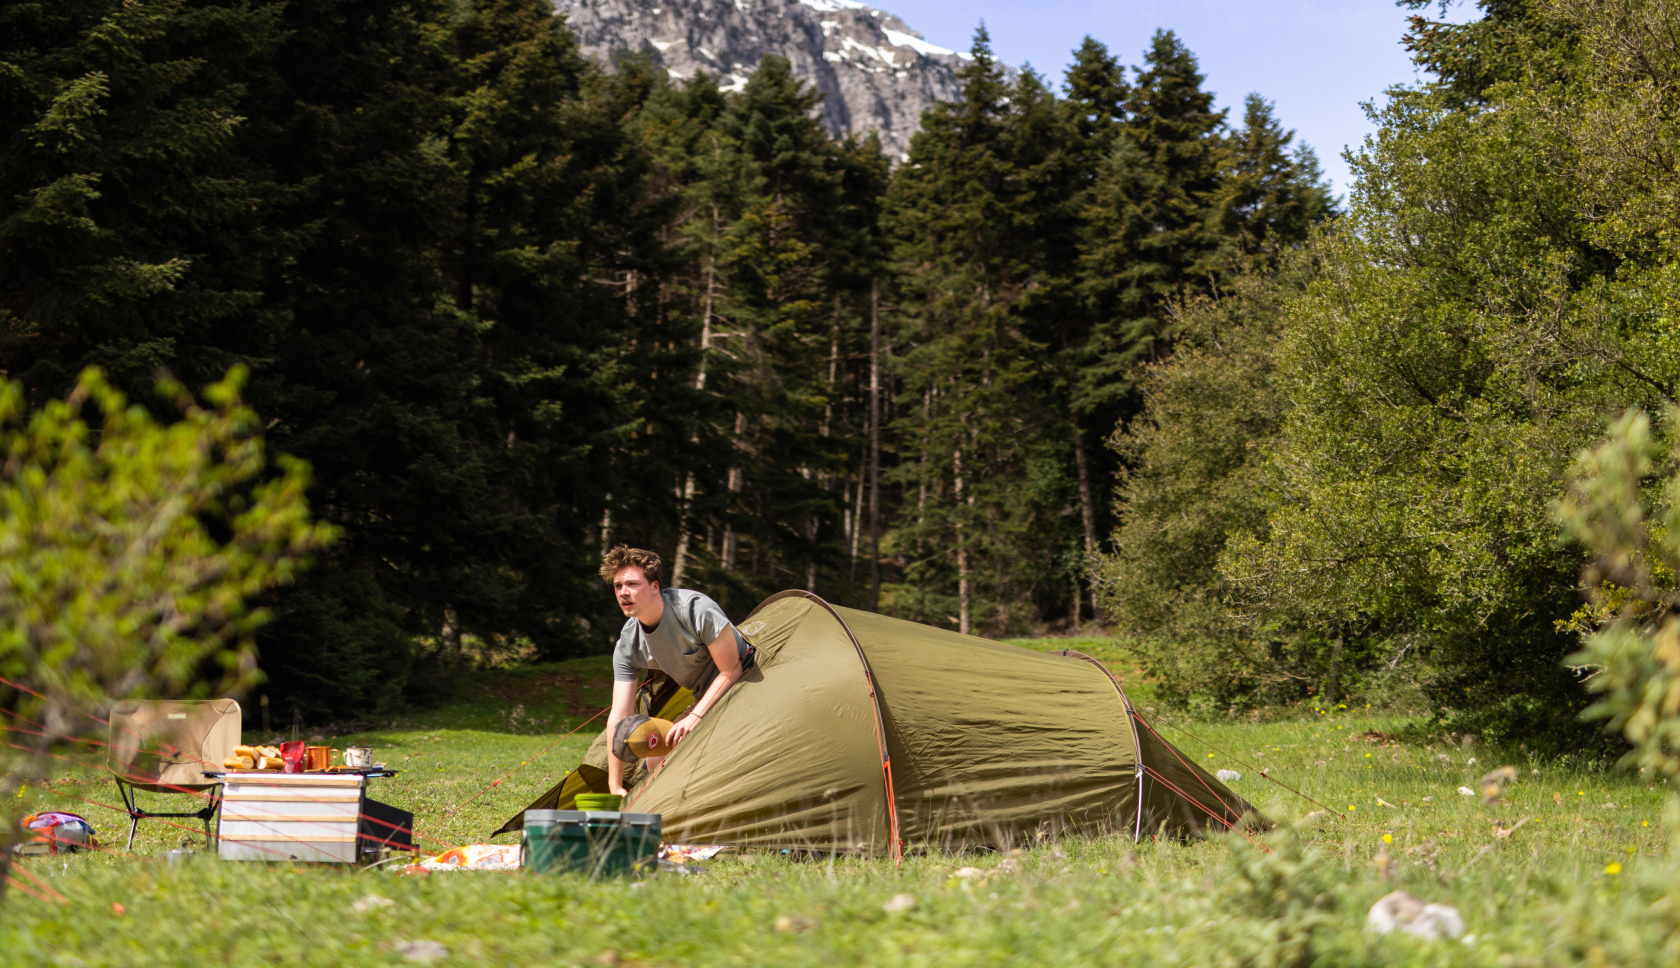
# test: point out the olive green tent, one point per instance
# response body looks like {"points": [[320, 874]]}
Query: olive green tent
{"points": [[861, 733]]}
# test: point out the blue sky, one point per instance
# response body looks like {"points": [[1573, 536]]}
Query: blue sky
{"points": [[1316, 59]]}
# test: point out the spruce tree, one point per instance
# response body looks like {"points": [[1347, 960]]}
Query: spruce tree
{"points": [[961, 215], [1097, 94], [1268, 198], [1147, 224]]}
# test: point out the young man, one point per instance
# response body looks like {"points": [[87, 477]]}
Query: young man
{"points": [[677, 631]]}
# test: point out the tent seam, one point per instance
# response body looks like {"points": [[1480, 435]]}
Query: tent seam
{"points": [[874, 702]]}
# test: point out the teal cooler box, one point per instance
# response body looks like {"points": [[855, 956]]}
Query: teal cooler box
{"points": [[597, 843]]}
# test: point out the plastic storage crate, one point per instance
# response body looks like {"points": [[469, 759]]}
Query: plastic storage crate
{"points": [[596, 843]]}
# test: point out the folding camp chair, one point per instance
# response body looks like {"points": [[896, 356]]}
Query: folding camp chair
{"points": [[165, 747]]}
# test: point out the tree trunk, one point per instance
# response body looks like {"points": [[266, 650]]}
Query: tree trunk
{"points": [[1088, 510], [1332, 684], [729, 542], [962, 547], [874, 445], [921, 475], [856, 512], [686, 497], [606, 526]]}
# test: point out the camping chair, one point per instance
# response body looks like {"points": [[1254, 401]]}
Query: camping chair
{"points": [[165, 747]]}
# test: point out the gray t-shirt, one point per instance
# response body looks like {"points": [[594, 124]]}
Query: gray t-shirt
{"points": [[677, 645]]}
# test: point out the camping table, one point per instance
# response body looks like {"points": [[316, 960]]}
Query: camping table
{"points": [[324, 817]]}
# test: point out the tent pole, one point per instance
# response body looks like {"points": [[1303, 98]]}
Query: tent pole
{"points": [[1131, 720], [874, 704]]}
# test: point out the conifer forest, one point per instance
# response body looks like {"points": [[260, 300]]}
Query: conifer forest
{"points": [[1094, 352]]}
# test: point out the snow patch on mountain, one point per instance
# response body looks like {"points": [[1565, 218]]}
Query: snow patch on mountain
{"points": [[874, 72]]}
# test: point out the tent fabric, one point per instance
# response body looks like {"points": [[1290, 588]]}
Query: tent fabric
{"points": [[163, 746], [861, 733], [661, 697]]}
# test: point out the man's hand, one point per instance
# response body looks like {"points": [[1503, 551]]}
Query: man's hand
{"points": [[681, 728], [617, 791]]}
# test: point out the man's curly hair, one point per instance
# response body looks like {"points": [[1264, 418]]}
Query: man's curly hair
{"points": [[622, 557]]}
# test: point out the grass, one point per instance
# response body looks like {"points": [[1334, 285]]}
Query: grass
{"points": [[1539, 895]]}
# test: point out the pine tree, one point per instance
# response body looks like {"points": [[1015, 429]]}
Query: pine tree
{"points": [[961, 214], [128, 213], [1097, 96], [547, 175], [1268, 197], [1147, 229], [778, 256]]}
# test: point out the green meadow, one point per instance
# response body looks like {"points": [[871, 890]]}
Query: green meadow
{"points": [[1564, 870]]}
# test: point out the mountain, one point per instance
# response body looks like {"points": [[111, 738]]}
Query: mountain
{"points": [[876, 74]]}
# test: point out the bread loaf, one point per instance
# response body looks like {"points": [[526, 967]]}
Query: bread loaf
{"points": [[238, 763], [250, 751]]}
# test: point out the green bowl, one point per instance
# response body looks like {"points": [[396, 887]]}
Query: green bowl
{"points": [[599, 801]]}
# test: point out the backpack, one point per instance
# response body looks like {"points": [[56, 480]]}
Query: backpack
{"points": [[54, 832]]}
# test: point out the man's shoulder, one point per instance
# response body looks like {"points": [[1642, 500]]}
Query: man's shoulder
{"points": [[684, 597], [627, 635]]}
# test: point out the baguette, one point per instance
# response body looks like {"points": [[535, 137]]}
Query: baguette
{"points": [[238, 763], [250, 751], [269, 751]]}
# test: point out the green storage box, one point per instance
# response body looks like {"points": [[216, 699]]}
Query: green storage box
{"points": [[596, 843]]}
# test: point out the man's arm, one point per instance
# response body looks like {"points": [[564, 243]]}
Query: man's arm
{"points": [[726, 654], [623, 704]]}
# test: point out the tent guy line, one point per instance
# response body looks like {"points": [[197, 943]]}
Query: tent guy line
{"points": [[524, 763], [1332, 811]]}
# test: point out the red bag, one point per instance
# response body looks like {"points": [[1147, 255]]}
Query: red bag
{"points": [[291, 756]]}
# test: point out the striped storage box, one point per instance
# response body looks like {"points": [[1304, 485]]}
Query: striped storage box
{"points": [[290, 816]]}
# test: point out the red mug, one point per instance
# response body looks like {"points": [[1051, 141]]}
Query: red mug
{"points": [[291, 756]]}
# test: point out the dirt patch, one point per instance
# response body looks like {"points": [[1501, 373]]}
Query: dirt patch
{"points": [[546, 687], [1378, 737]]}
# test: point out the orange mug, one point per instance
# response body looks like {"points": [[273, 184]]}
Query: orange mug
{"points": [[316, 758]]}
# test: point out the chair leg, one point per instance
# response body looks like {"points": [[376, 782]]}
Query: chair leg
{"points": [[133, 825]]}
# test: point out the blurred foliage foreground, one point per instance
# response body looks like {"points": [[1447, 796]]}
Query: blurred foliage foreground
{"points": [[129, 550]]}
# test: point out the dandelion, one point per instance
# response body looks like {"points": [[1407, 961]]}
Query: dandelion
{"points": [[1612, 868], [1367, 756], [1388, 838], [1644, 823], [1351, 807]]}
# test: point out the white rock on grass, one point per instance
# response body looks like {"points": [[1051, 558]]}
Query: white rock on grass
{"points": [[1228, 776], [1430, 922], [372, 902], [899, 903], [967, 872], [422, 951], [1466, 792]]}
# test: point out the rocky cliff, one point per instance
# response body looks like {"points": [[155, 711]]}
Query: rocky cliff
{"points": [[876, 74]]}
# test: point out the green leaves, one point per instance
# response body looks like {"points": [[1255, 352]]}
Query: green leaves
{"points": [[1631, 523], [131, 551]]}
